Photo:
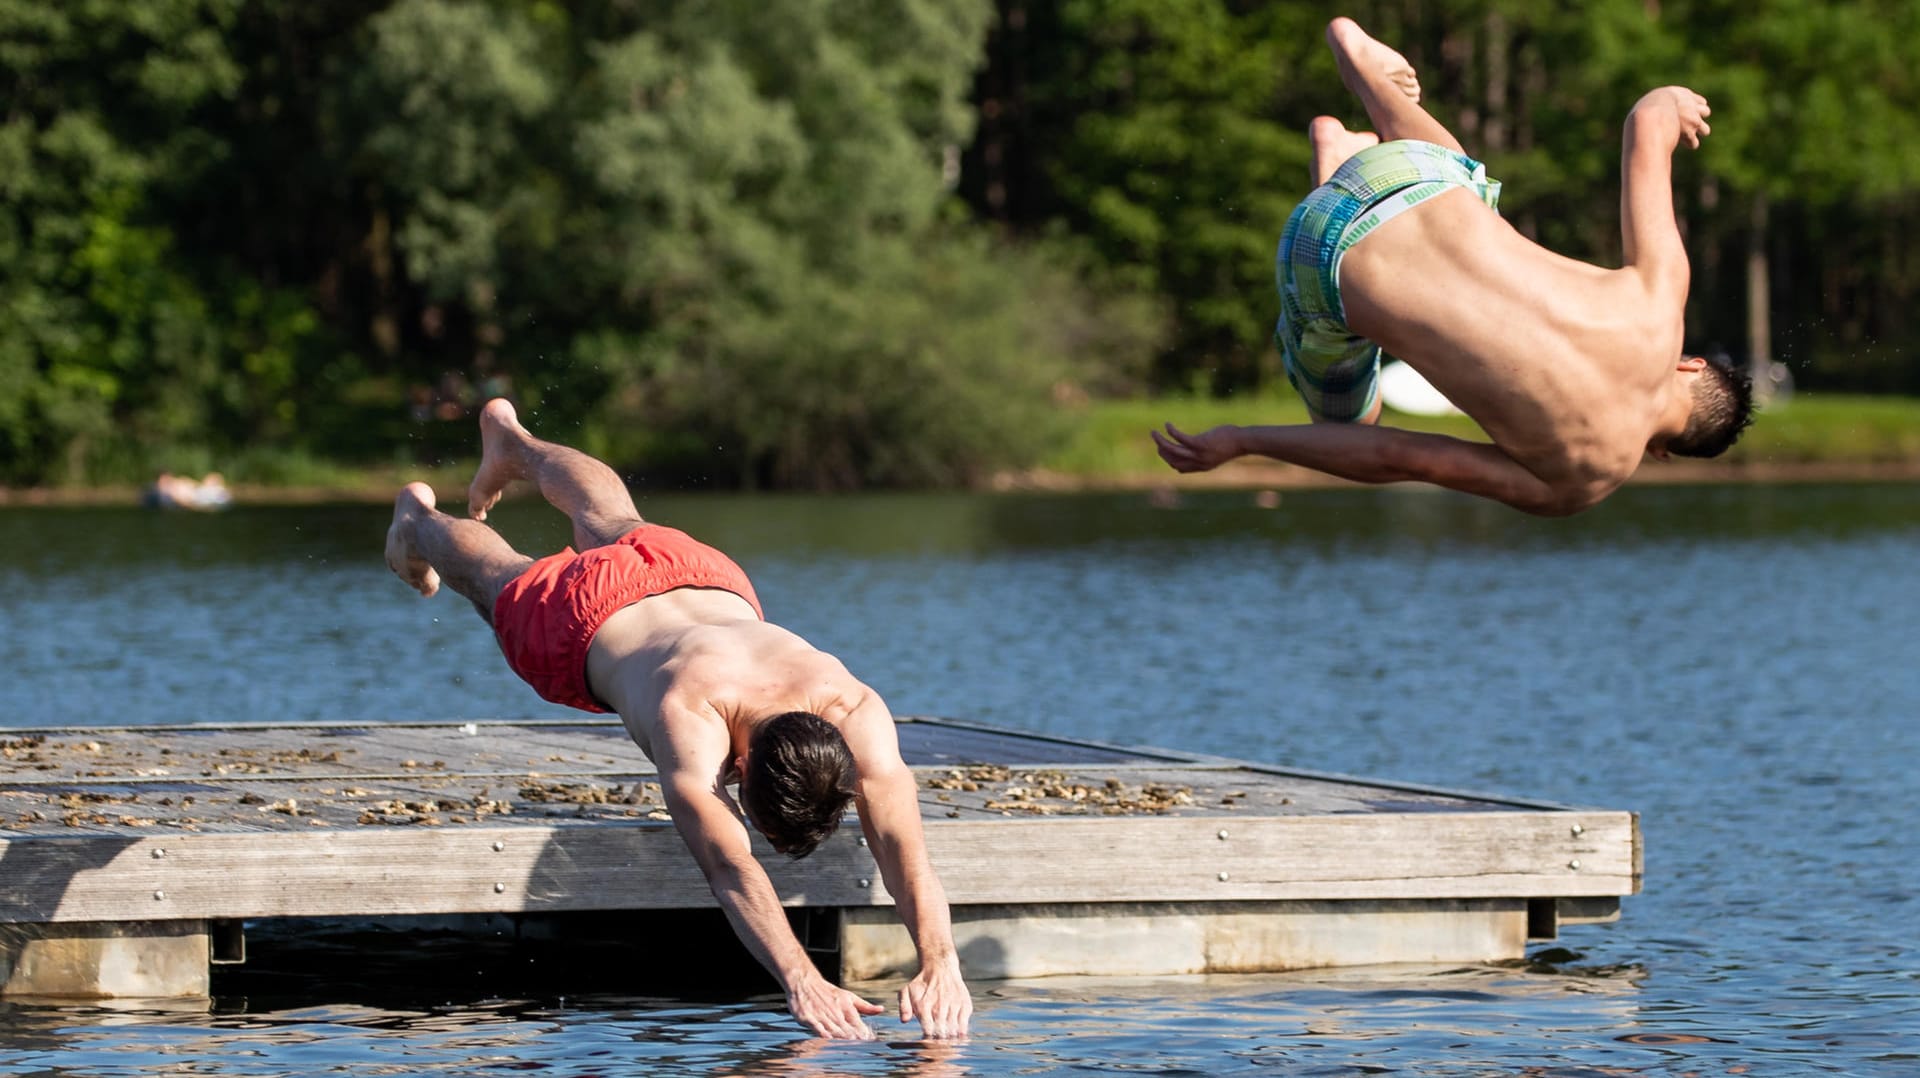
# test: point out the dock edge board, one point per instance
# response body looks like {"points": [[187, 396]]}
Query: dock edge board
{"points": [[643, 865]]}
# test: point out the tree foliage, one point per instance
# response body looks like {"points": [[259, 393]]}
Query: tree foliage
{"points": [[715, 232], [832, 242]]}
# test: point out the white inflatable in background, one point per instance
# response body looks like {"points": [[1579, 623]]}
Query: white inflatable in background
{"points": [[1407, 390]]}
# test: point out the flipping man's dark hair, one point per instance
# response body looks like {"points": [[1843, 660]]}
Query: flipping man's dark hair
{"points": [[799, 779], [1722, 408]]}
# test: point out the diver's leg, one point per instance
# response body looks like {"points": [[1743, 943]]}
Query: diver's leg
{"points": [[1332, 144], [1386, 84], [586, 490], [426, 547]]}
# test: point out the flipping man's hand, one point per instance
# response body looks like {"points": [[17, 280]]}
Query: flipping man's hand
{"points": [[831, 1011], [1197, 452], [939, 999], [1687, 110]]}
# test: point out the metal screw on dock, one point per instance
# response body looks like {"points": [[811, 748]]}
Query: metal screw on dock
{"points": [[499, 888], [159, 896], [1577, 829], [158, 853], [1223, 877], [862, 840], [1222, 836], [1574, 864], [864, 882], [498, 846]]}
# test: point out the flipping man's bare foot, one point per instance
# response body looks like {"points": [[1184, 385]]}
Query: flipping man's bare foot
{"points": [[1366, 63], [415, 501], [501, 436], [1333, 144]]}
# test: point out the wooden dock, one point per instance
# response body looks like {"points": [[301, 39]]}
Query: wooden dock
{"points": [[131, 857]]}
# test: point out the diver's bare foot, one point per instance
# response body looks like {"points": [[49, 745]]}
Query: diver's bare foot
{"points": [[1333, 144], [415, 501], [501, 436], [1368, 64]]}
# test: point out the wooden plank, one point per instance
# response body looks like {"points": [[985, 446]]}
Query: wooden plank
{"points": [[607, 746], [1041, 748], [925, 744], [389, 750], [604, 864], [339, 799], [1476, 796], [1042, 793], [379, 749], [371, 872], [212, 752], [1419, 855], [925, 741], [1163, 789], [167, 755], [996, 791]]}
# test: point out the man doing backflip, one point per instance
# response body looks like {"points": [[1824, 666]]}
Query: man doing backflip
{"points": [[1574, 371], [645, 621]]}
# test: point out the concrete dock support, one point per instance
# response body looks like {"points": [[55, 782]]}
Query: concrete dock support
{"points": [[105, 960], [1166, 938]]}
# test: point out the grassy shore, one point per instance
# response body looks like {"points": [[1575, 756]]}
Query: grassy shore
{"points": [[1810, 437], [310, 483]]}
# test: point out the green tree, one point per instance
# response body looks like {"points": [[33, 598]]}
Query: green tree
{"points": [[725, 221], [1816, 122], [236, 223], [113, 339], [1174, 152]]}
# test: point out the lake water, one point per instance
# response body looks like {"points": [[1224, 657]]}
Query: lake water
{"points": [[1741, 665]]}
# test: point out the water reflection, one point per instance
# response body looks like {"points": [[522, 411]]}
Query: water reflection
{"points": [[1473, 1020], [1353, 1022], [814, 1058], [1735, 664]]}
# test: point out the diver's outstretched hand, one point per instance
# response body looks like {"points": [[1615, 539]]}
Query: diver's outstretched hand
{"points": [[1185, 452], [938, 998], [831, 1011]]}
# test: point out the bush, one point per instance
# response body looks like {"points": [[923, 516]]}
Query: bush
{"points": [[945, 360]]}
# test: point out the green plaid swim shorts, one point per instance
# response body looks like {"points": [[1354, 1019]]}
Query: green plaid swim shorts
{"points": [[1335, 372]]}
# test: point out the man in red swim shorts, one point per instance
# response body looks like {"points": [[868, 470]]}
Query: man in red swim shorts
{"points": [[647, 622]]}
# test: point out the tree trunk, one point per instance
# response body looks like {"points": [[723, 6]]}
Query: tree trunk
{"points": [[1457, 69], [1494, 125], [384, 326], [1759, 302], [1532, 87]]}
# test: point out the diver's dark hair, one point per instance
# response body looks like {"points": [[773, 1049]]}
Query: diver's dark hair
{"points": [[798, 782], [1722, 408]]}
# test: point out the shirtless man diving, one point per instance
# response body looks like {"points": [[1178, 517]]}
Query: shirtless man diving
{"points": [[666, 631], [1574, 371]]}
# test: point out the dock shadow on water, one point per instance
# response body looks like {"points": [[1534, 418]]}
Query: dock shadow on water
{"points": [[669, 993], [611, 995]]}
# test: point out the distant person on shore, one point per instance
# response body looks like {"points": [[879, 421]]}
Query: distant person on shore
{"points": [[1575, 371], [171, 491], [647, 622]]}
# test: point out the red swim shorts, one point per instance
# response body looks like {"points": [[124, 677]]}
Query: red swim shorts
{"points": [[545, 618]]}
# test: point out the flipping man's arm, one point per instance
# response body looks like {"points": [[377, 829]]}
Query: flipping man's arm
{"points": [[1649, 234], [1372, 454], [718, 840], [889, 806]]}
